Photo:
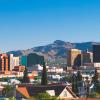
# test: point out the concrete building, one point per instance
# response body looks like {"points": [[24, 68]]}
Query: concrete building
{"points": [[19, 68], [33, 59], [74, 58], [86, 58], [96, 55], [4, 63], [13, 61], [16, 61], [55, 70], [23, 60]]}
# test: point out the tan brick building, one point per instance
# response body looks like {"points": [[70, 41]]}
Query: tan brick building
{"points": [[72, 56]]}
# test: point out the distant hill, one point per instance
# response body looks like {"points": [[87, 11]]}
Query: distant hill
{"points": [[54, 50]]}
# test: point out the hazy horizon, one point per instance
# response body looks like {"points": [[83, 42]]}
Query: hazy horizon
{"points": [[45, 45]]}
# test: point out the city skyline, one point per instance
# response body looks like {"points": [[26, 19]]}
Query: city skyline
{"points": [[29, 23]]}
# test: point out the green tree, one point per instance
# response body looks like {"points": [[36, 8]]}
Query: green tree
{"points": [[74, 84], [87, 87], [6, 89], [95, 77], [44, 75], [12, 98], [95, 81], [45, 96], [25, 77], [67, 78], [79, 81], [79, 76]]}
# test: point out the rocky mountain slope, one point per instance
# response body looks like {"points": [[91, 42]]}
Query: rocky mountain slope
{"points": [[56, 49]]}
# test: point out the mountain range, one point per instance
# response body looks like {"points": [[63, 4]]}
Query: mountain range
{"points": [[56, 49]]}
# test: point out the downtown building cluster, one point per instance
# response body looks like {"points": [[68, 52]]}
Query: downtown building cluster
{"points": [[78, 59], [14, 66], [84, 61]]}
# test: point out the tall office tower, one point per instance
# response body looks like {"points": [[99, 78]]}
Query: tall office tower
{"points": [[74, 58], [23, 60], [11, 62], [87, 58], [33, 59], [4, 62], [96, 55], [16, 61], [91, 56]]}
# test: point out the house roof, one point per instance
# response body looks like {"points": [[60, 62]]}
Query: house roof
{"points": [[40, 89], [34, 90], [71, 92], [23, 91]]}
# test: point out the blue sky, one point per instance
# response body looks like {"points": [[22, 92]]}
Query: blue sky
{"points": [[28, 23]]}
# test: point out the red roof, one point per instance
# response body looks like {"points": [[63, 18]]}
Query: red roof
{"points": [[23, 91]]}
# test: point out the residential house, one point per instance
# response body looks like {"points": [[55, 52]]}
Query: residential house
{"points": [[58, 90]]}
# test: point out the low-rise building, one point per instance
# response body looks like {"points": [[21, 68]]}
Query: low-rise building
{"points": [[19, 68], [59, 90]]}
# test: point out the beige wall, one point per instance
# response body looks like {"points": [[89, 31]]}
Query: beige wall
{"points": [[71, 56], [65, 94]]}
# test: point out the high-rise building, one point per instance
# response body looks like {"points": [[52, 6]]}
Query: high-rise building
{"points": [[23, 60], [96, 53], [4, 62], [16, 61], [86, 58], [13, 61], [74, 58], [33, 59]]}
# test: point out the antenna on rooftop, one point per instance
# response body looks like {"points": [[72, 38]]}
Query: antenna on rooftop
{"points": [[87, 50]]}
